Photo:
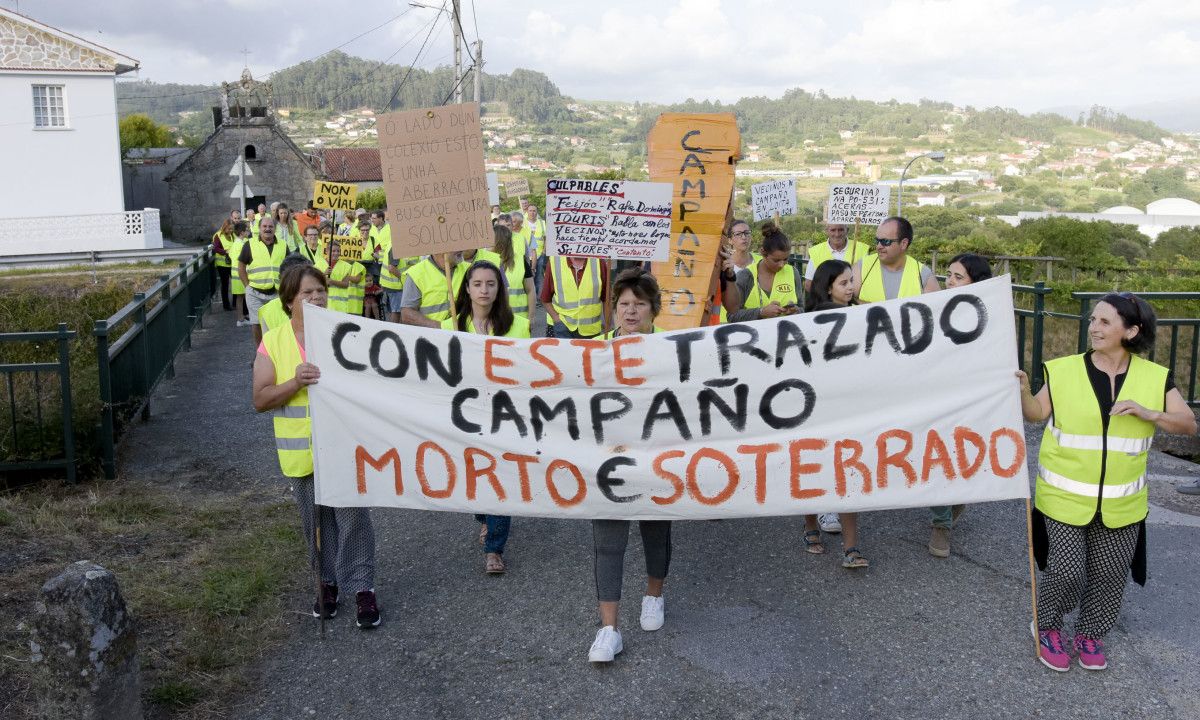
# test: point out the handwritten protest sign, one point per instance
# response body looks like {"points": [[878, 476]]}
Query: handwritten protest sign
{"points": [[866, 204], [334, 196], [516, 188], [777, 196], [434, 179], [493, 183], [617, 219], [695, 153], [733, 420], [352, 247]]}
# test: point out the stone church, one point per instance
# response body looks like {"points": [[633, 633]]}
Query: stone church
{"points": [[201, 187]]}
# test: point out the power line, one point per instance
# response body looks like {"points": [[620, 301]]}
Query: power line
{"points": [[460, 81], [414, 62], [475, 19], [462, 34]]}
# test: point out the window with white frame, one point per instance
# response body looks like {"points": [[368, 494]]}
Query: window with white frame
{"points": [[48, 108]]}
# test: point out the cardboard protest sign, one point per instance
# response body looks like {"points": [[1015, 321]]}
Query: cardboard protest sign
{"points": [[737, 420], [493, 183], [434, 179], [696, 154], [866, 204], [617, 219], [352, 247], [516, 188], [777, 196], [334, 196]]}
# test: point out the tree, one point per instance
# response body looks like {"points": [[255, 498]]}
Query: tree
{"points": [[1175, 243], [139, 131]]}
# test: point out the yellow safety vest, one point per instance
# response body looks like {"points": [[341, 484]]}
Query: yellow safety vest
{"points": [[317, 258], [226, 242], [872, 280], [263, 270], [347, 299], [855, 251], [235, 279], [514, 278], [271, 315], [519, 329], [289, 235], [293, 425], [382, 238], [578, 305], [431, 281], [254, 227], [1074, 447], [537, 234], [520, 240], [783, 289]]}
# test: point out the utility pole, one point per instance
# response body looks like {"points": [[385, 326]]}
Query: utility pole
{"points": [[455, 24], [479, 71]]}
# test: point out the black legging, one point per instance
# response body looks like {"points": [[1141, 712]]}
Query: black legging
{"points": [[609, 539]]}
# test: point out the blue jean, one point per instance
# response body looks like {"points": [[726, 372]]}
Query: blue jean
{"points": [[539, 273], [942, 516], [497, 532]]}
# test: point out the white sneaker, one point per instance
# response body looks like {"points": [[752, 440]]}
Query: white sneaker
{"points": [[606, 646], [653, 613], [829, 523]]}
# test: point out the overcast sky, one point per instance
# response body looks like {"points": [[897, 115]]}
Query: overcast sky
{"points": [[1014, 53]]}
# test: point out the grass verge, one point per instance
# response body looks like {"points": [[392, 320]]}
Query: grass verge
{"points": [[203, 576]]}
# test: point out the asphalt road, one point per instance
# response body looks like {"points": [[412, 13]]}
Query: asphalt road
{"points": [[755, 627]]}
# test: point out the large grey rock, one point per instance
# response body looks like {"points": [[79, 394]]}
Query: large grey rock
{"points": [[85, 645]]}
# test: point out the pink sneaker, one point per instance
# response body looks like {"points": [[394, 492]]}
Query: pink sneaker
{"points": [[1090, 652], [1051, 651]]}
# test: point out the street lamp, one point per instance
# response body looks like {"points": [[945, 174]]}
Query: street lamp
{"points": [[934, 155]]}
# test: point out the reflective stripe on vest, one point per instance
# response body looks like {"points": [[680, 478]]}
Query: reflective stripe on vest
{"points": [[263, 270], [1088, 489], [235, 278], [1129, 446], [872, 280], [226, 244], [578, 304], [293, 426], [431, 281]]}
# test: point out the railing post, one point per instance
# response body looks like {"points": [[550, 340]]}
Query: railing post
{"points": [[144, 351], [1083, 323], [108, 453], [1039, 317], [167, 312], [64, 374]]}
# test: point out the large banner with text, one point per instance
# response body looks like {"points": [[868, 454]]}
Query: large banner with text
{"points": [[907, 403]]}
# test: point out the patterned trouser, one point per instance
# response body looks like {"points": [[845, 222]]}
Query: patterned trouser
{"points": [[347, 540], [1090, 561]]}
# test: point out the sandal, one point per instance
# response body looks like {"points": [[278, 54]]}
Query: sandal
{"points": [[493, 564], [812, 542], [483, 534], [854, 559]]}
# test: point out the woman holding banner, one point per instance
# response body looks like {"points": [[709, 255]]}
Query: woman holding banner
{"points": [[769, 288], [482, 307], [638, 303], [341, 541], [1091, 494]]}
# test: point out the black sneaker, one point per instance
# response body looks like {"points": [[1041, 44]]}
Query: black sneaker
{"points": [[368, 610], [329, 598]]}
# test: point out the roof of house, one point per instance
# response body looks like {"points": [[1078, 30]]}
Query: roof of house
{"points": [[353, 164], [29, 51]]}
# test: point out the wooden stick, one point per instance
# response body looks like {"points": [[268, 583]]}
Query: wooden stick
{"points": [[450, 289], [320, 595], [1037, 645]]}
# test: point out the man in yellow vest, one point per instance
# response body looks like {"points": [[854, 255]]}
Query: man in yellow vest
{"points": [[258, 268], [575, 295], [537, 245], [520, 233], [891, 273], [426, 301], [836, 247]]}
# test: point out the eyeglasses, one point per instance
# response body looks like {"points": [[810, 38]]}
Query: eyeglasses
{"points": [[886, 242], [742, 233], [1133, 300]]}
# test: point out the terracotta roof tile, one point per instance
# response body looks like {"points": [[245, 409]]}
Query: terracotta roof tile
{"points": [[353, 164]]}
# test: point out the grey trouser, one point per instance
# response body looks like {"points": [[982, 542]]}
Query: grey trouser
{"points": [[609, 539], [347, 540]]}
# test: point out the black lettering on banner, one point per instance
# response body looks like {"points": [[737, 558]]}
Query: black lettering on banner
{"points": [[683, 351], [878, 321], [503, 410], [687, 206], [918, 342], [428, 355], [460, 421], [339, 336], [710, 398], [401, 361], [672, 412], [600, 416], [540, 412], [606, 482], [692, 161], [722, 335], [833, 351], [688, 185], [780, 422], [961, 337], [683, 143], [789, 335]]}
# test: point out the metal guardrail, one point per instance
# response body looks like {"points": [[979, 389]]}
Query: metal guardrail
{"points": [[35, 455], [96, 257]]}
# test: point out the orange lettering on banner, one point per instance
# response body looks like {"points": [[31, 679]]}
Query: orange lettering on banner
{"points": [[696, 153], [620, 363], [760, 453], [557, 497], [588, 347], [796, 447], [491, 361], [535, 353], [523, 462], [675, 480], [362, 458], [963, 435], [451, 472], [897, 459], [841, 463], [936, 453], [731, 473], [1018, 442], [487, 471]]}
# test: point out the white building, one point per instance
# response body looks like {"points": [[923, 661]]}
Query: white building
{"points": [[58, 125], [931, 199]]}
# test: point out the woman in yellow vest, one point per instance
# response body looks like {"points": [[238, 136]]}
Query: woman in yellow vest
{"points": [[769, 288], [638, 304], [286, 229], [347, 280], [1091, 494], [222, 241], [282, 375], [312, 249], [739, 241], [518, 276], [237, 290], [481, 307]]}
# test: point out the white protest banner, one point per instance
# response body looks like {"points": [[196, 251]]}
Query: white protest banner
{"points": [[493, 181], [516, 188], [907, 403], [617, 219], [777, 196], [866, 204]]}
